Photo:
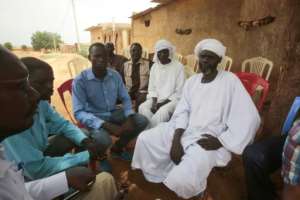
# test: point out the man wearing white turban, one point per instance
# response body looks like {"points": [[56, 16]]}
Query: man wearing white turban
{"points": [[165, 85], [214, 118]]}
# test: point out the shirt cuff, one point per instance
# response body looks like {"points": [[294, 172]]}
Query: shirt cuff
{"points": [[181, 124], [98, 123], [151, 95], [57, 185], [224, 138], [85, 156], [80, 138]]}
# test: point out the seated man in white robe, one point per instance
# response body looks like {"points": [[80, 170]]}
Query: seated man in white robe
{"points": [[214, 118], [165, 85]]}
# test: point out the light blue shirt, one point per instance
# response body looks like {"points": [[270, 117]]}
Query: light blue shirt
{"points": [[94, 99], [28, 147]]}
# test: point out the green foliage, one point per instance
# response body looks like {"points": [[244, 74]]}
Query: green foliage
{"points": [[45, 40], [84, 53], [24, 47], [84, 50], [8, 45]]}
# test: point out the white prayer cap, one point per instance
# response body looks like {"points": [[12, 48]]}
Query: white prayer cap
{"points": [[212, 45], [163, 44]]}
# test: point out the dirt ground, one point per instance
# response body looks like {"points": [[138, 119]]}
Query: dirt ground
{"points": [[223, 183]]}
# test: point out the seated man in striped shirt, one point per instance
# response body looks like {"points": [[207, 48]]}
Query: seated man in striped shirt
{"points": [[263, 158], [291, 164], [136, 73]]}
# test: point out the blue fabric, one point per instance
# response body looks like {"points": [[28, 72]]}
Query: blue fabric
{"points": [[118, 117], [291, 116], [105, 166], [95, 99], [28, 146]]}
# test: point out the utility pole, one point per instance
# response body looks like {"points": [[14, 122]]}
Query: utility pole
{"points": [[54, 43], [76, 25]]}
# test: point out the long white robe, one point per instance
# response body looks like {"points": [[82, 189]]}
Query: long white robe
{"points": [[165, 82], [221, 108]]}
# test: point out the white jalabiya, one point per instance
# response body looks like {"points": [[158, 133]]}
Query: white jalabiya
{"points": [[165, 82], [221, 108]]}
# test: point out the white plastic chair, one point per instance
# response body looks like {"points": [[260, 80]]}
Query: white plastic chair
{"points": [[179, 57], [258, 65], [191, 62], [145, 54], [76, 65], [225, 64], [126, 52]]}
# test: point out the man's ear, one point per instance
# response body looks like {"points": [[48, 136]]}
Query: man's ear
{"points": [[89, 57]]}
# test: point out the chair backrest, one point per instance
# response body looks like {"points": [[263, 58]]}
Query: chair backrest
{"points": [[291, 116], [258, 65], [251, 82], [179, 57], [76, 65], [66, 87], [191, 62], [126, 52], [225, 64], [145, 54]]}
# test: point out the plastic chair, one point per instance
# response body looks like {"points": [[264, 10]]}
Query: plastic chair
{"points": [[225, 64], [66, 87], [126, 52], [179, 57], [258, 65], [191, 62], [145, 54], [291, 116], [76, 65], [251, 82]]}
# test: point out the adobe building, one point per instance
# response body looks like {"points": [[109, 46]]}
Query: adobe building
{"points": [[117, 33], [267, 28]]}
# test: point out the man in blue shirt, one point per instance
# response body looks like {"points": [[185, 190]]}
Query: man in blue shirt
{"points": [[40, 157], [95, 94]]}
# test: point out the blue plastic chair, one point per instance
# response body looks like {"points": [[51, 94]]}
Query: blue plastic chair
{"points": [[291, 116]]}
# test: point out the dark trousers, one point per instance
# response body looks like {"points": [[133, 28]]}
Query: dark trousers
{"points": [[139, 99], [118, 117], [260, 161]]}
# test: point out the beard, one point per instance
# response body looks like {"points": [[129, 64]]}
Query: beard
{"points": [[206, 68]]}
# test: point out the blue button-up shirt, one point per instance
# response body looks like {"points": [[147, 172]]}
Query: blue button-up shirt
{"points": [[28, 147], [94, 99]]}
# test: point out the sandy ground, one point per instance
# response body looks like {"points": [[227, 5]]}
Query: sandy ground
{"points": [[223, 184], [59, 63]]}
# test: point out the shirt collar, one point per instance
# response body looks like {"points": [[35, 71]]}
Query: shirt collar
{"points": [[139, 62], [91, 75]]}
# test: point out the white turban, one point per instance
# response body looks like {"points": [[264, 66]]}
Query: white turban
{"points": [[163, 44], [212, 45]]}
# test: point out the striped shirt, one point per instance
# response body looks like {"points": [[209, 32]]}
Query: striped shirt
{"points": [[291, 156]]}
